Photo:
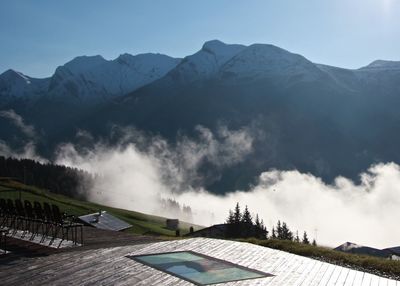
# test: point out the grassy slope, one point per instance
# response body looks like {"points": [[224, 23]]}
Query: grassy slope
{"points": [[154, 225], [142, 223], [379, 266]]}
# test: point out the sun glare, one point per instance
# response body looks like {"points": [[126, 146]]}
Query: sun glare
{"points": [[387, 4]]}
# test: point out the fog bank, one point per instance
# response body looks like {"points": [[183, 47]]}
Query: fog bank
{"points": [[136, 178]]}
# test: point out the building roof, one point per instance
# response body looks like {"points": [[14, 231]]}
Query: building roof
{"points": [[113, 266], [215, 231], [104, 220]]}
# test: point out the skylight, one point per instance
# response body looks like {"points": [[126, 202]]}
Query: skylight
{"points": [[198, 268]]}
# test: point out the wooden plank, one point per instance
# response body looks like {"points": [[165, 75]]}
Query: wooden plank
{"points": [[383, 281], [342, 277], [310, 265], [374, 280], [312, 274], [358, 279], [304, 263], [366, 279], [317, 278], [329, 272], [284, 271], [111, 266], [350, 277], [61, 273], [335, 276]]}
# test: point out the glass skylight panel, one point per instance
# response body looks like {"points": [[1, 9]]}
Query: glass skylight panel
{"points": [[198, 268]]}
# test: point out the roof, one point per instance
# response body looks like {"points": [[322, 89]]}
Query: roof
{"points": [[104, 221], [113, 266], [215, 231]]}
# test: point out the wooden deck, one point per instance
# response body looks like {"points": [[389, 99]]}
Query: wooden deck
{"points": [[111, 266]]}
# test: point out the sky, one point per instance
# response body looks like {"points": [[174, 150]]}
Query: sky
{"points": [[37, 36]]}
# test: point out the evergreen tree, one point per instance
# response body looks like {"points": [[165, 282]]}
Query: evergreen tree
{"points": [[285, 232], [273, 235], [314, 243], [230, 219], [258, 228], [305, 238], [237, 215], [55, 178], [264, 229], [246, 217], [279, 230], [230, 228]]}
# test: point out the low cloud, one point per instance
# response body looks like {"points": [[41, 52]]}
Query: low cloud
{"points": [[18, 121], [28, 148], [365, 213], [140, 171], [138, 174], [134, 177], [28, 151]]}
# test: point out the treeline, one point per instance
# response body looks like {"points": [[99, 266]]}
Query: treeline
{"points": [[55, 178], [282, 231], [171, 208], [242, 225]]}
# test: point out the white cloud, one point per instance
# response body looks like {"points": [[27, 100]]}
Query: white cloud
{"points": [[28, 150], [18, 121], [135, 178]]}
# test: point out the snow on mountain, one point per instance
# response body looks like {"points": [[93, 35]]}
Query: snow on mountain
{"points": [[95, 77], [206, 62], [14, 84], [263, 61], [350, 247]]}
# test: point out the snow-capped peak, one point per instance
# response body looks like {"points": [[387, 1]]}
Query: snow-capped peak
{"points": [[347, 246], [221, 51], [15, 76], [95, 77], [206, 62], [263, 60], [14, 84], [84, 63]]}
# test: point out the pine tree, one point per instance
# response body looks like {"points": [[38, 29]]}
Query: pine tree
{"points": [[246, 218], [258, 228], [279, 230], [273, 235], [264, 229], [230, 219], [305, 238], [230, 228], [257, 221], [237, 216], [285, 232], [314, 243]]}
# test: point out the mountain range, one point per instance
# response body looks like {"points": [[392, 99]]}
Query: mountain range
{"points": [[349, 247], [316, 118]]}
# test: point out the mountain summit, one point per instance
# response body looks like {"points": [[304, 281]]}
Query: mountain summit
{"points": [[315, 118], [94, 77], [90, 77]]}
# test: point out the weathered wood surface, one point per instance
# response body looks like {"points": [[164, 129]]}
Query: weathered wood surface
{"points": [[111, 266]]}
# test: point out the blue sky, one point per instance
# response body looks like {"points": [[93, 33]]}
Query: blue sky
{"points": [[37, 36]]}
